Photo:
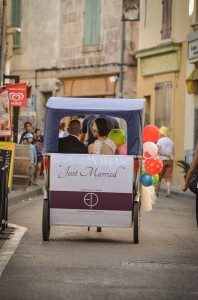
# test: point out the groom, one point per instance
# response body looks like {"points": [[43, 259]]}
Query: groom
{"points": [[71, 143]]}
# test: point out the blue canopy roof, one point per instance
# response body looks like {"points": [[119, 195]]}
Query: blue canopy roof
{"points": [[131, 110]]}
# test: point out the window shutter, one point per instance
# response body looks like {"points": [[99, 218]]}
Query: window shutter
{"points": [[196, 128], [92, 22], [16, 21], [196, 11], [166, 19], [163, 104]]}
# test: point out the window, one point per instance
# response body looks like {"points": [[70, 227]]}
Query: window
{"points": [[92, 22], [196, 11], [163, 104], [166, 19], [16, 21]]}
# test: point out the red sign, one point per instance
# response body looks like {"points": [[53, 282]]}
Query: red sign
{"points": [[17, 94], [5, 115]]}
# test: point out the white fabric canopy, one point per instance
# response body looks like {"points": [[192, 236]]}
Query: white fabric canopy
{"points": [[131, 110]]}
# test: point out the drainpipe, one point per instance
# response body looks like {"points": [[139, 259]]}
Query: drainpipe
{"points": [[122, 60], [3, 41]]}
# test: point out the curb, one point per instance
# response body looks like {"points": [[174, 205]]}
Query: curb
{"points": [[16, 196]]}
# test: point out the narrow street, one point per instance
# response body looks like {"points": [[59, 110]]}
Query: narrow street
{"points": [[77, 264]]}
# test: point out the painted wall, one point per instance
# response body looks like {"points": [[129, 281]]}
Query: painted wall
{"points": [[52, 37], [40, 38], [151, 22], [146, 87], [150, 37]]}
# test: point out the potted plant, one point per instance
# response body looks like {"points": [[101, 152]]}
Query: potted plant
{"points": [[184, 165]]}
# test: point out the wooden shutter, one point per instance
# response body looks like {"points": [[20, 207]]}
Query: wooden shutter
{"points": [[196, 11], [92, 22], [166, 19], [163, 104], [16, 21], [196, 128]]}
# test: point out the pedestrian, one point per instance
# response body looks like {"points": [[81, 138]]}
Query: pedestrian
{"points": [[192, 170], [38, 143], [29, 139], [62, 131], [165, 153], [28, 129]]}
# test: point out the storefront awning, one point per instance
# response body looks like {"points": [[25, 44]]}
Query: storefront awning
{"points": [[192, 82]]}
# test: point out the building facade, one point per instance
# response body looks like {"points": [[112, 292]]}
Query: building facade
{"points": [[163, 69], [73, 48], [104, 48]]}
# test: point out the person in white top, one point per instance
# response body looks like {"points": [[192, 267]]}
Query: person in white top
{"points": [[165, 153], [62, 131]]}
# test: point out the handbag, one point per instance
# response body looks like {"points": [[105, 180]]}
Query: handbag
{"points": [[193, 184]]}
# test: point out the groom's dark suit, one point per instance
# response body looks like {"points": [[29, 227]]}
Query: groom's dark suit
{"points": [[71, 144]]}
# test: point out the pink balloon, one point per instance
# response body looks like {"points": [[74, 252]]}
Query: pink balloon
{"points": [[149, 150], [123, 149], [153, 165]]}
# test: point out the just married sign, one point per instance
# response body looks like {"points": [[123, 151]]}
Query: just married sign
{"points": [[91, 189], [105, 173]]}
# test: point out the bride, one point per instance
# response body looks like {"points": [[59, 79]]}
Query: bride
{"points": [[103, 145]]}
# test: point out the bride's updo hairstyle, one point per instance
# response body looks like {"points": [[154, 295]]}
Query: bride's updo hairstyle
{"points": [[101, 125]]}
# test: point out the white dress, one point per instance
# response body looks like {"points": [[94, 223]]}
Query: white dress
{"points": [[99, 144], [148, 198]]}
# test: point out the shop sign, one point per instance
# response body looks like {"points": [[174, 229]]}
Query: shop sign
{"points": [[193, 49]]}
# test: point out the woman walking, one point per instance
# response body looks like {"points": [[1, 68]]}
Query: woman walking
{"points": [[193, 169]]}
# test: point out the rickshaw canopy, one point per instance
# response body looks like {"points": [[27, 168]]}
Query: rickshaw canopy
{"points": [[131, 110]]}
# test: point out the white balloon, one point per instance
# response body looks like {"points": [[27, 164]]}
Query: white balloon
{"points": [[149, 150]]}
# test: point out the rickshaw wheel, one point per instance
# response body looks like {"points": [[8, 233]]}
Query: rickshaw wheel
{"points": [[136, 222], [46, 221]]}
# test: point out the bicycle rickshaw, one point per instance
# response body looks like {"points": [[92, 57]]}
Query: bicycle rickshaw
{"points": [[93, 190]]}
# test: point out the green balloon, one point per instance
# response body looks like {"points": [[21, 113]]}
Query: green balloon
{"points": [[155, 179], [118, 136]]}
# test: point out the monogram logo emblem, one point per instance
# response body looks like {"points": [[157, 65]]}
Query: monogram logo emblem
{"points": [[91, 200]]}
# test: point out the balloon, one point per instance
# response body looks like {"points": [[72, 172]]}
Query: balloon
{"points": [[136, 165], [123, 149], [118, 136], [153, 165], [146, 179], [149, 150], [155, 179], [151, 133]]}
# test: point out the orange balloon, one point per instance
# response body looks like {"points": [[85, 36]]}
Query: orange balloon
{"points": [[151, 133]]}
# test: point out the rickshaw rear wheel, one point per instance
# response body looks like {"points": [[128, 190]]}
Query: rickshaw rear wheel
{"points": [[46, 221], [136, 222]]}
